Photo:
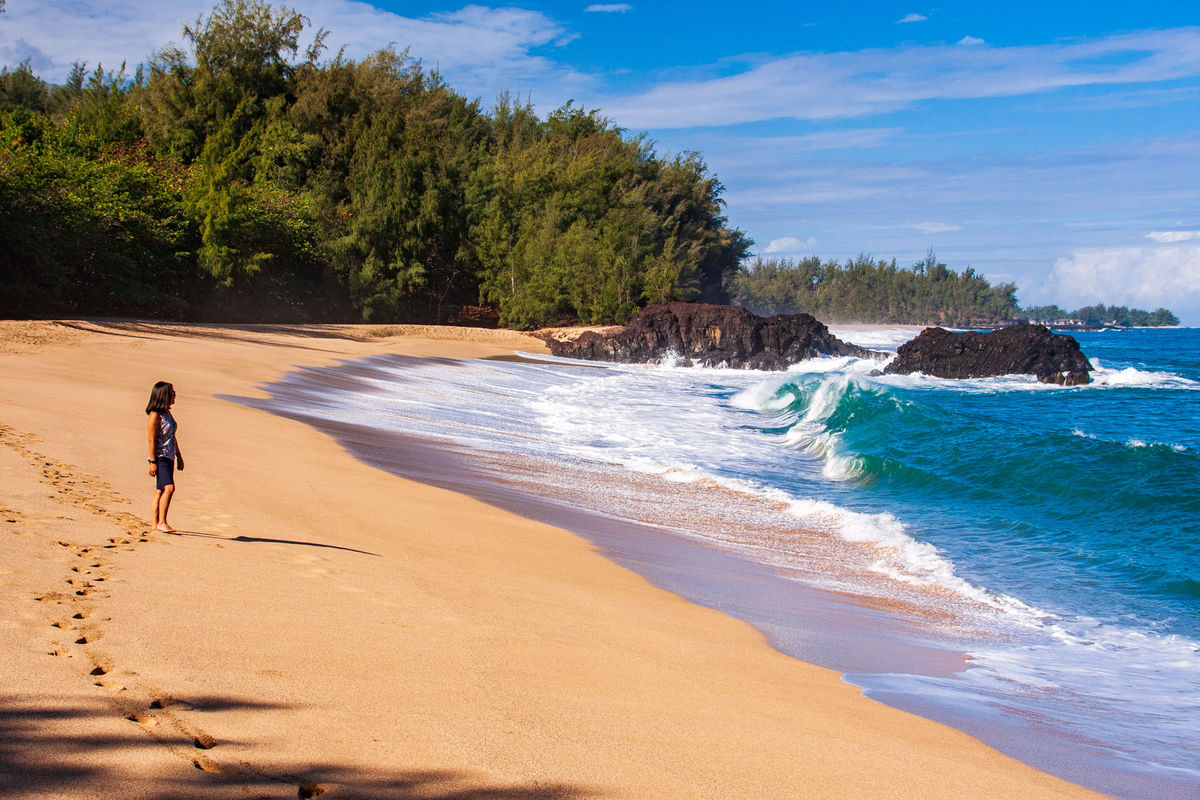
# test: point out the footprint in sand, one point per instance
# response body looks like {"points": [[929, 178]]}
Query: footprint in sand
{"points": [[157, 717], [73, 487], [100, 664], [208, 765]]}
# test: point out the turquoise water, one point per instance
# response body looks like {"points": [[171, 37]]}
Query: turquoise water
{"points": [[1082, 501], [1078, 509], [1054, 533]]}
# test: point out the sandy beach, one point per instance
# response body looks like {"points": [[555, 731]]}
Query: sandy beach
{"points": [[322, 628]]}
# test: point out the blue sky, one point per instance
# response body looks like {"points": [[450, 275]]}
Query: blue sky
{"points": [[1052, 144]]}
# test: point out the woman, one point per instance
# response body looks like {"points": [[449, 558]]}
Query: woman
{"points": [[164, 450]]}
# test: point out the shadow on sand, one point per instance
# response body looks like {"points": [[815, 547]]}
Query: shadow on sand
{"points": [[43, 753], [204, 535]]}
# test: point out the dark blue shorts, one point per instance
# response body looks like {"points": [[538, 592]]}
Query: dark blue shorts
{"points": [[165, 475]]}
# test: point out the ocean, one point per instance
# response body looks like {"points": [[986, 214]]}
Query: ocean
{"points": [[1021, 561]]}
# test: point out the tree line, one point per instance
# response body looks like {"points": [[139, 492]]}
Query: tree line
{"points": [[1100, 315], [866, 290], [236, 177], [927, 293]]}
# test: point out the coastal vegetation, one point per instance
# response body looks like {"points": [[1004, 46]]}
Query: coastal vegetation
{"points": [[927, 293], [241, 177], [237, 177], [1099, 316], [867, 290]]}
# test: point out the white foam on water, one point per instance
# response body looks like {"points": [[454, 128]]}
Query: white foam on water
{"points": [[1131, 377], [1136, 686], [702, 442], [1132, 442], [875, 338]]}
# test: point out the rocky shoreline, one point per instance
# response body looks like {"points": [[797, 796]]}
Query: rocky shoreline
{"points": [[717, 335], [1016, 350], [709, 335]]}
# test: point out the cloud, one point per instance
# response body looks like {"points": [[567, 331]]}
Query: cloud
{"points": [[479, 50], [58, 32], [934, 227], [1146, 277], [911, 18], [1103, 196], [610, 8], [1167, 237], [971, 41], [21, 51], [790, 244], [824, 86]]}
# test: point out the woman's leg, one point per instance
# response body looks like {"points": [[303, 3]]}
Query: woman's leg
{"points": [[164, 504], [154, 510]]}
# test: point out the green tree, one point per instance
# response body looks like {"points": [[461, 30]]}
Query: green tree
{"points": [[83, 234], [571, 219], [287, 187], [20, 88], [391, 177], [866, 290], [215, 108]]}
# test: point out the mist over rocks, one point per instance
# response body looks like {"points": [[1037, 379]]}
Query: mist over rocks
{"points": [[1017, 350], [709, 335]]}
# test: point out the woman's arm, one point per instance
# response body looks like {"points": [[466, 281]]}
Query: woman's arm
{"points": [[152, 433], [178, 455]]}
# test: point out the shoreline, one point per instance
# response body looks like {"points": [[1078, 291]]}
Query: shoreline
{"points": [[668, 560], [894, 647], [322, 622]]}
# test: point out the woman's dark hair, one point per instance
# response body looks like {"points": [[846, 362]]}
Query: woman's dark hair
{"points": [[160, 398]]}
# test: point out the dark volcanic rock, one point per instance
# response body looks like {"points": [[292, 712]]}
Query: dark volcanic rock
{"points": [[710, 335], [1019, 350]]}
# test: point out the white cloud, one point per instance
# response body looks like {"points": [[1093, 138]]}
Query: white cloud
{"points": [[1144, 277], [479, 50], [610, 8], [789, 245], [971, 41], [934, 227], [1167, 237], [1103, 196], [821, 86], [911, 18], [55, 33]]}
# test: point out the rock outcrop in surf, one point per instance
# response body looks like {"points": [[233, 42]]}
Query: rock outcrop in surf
{"points": [[709, 335], [1018, 350]]}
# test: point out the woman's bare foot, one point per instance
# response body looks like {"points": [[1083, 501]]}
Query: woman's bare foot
{"points": [[165, 528]]}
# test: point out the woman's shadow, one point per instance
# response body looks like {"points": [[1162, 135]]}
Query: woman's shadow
{"points": [[204, 535]]}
